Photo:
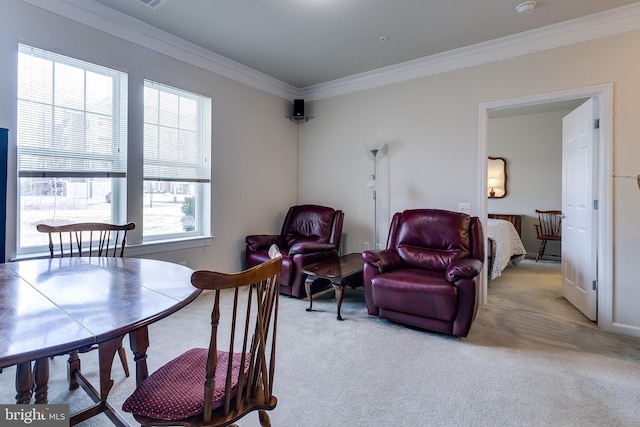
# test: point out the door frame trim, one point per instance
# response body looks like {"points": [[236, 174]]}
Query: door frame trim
{"points": [[602, 95]]}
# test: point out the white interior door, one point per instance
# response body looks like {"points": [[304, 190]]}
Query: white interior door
{"points": [[579, 266]]}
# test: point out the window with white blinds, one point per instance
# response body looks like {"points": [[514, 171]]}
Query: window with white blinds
{"points": [[177, 171], [72, 156], [177, 135], [72, 117]]}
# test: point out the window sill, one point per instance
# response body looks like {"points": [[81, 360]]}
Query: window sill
{"points": [[168, 246], [145, 248]]}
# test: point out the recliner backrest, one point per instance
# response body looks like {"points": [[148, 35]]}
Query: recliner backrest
{"points": [[309, 223], [430, 238]]}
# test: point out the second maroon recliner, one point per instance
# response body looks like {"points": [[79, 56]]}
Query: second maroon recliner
{"points": [[310, 233], [426, 277]]}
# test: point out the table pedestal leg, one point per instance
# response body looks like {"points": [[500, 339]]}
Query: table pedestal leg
{"points": [[307, 286], [24, 383], [73, 366], [41, 376], [339, 287], [123, 360], [106, 353], [139, 342]]}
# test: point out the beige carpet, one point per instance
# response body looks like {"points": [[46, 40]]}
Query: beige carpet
{"points": [[530, 360]]}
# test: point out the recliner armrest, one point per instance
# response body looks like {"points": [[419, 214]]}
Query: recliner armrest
{"points": [[466, 268], [310, 247], [383, 260], [262, 241]]}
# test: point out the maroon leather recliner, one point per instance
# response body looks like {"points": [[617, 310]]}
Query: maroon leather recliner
{"points": [[426, 277], [310, 233]]}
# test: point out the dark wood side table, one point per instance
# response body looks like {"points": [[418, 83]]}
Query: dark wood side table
{"points": [[340, 271]]}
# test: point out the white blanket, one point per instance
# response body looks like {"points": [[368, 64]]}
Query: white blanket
{"points": [[507, 246]]}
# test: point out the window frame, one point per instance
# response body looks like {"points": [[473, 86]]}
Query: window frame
{"points": [[199, 162], [124, 206]]}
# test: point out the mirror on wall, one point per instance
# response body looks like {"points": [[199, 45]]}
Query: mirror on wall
{"points": [[497, 178]]}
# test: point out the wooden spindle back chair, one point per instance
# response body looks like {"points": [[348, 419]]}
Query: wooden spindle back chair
{"points": [[549, 228], [87, 239], [217, 386]]}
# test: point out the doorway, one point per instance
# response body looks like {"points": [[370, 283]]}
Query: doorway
{"points": [[602, 96]]}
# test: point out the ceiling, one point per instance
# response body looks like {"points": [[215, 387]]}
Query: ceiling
{"points": [[310, 42]]}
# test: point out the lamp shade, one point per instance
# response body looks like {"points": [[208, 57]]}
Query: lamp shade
{"points": [[374, 146]]}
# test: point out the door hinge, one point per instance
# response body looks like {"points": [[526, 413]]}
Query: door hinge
{"points": [[594, 285], [596, 123], [595, 204]]}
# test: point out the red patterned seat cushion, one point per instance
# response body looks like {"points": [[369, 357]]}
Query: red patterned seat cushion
{"points": [[176, 390]]}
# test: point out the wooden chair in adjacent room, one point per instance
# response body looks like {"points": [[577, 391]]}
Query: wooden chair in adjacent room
{"points": [[549, 228], [218, 385], [88, 239]]}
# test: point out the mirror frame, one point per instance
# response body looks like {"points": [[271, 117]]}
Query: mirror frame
{"points": [[497, 167]]}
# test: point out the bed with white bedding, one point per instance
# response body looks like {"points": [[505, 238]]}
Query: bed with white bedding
{"points": [[505, 246]]}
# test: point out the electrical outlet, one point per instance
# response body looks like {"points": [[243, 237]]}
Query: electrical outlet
{"points": [[366, 246], [464, 208]]}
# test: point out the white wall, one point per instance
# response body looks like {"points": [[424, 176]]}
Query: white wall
{"points": [[431, 124], [532, 147], [254, 163]]}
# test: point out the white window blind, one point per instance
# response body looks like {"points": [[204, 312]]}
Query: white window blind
{"points": [[72, 117], [177, 134]]}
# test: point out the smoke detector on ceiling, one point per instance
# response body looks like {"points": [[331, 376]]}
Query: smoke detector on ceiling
{"points": [[526, 7]]}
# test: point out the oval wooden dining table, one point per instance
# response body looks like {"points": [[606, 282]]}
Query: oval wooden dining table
{"points": [[53, 306]]}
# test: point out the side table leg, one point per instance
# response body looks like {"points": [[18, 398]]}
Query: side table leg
{"points": [[339, 287], [307, 286]]}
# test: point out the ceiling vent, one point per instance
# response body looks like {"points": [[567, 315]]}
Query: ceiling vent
{"points": [[153, 4]]}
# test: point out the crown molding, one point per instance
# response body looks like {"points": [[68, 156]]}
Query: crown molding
{"points": [[125, 27], [91, 13], [612, 22]]}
